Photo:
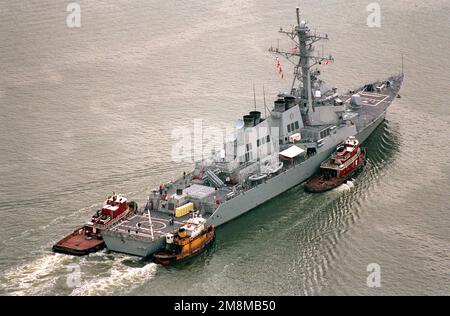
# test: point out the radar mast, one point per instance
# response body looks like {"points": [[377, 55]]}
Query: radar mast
{"points": [[303, 58]]}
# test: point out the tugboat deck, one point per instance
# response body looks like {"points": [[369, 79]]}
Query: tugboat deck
{"points": [[317, 184], [78, 244]]}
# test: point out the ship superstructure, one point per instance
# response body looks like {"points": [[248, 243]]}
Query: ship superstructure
{"points": [[264, 156]]}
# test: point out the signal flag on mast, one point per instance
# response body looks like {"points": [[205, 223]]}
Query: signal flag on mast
{"points": [[280, 71]]}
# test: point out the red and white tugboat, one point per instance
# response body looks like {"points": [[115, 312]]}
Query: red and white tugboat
{"points": [[348, 158], [88, 238]]}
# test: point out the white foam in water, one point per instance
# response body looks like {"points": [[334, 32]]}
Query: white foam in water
{"points": [[122, 277], [100, 253], [32, 278], [344, 187]]}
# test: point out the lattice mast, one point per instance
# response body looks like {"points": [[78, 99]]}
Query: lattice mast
{"points": [[303, 58]]}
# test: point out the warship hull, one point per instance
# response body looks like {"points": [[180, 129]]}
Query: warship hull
{"points": [[228, 210], [360, 112], [248, 200], [132, 245], [275, 186]]}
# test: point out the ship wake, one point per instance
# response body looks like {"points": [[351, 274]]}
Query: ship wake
{"points": [[33, 278], [121, 277]]}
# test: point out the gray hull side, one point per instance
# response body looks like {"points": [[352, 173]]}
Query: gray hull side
{"points": [[264, 192], [366, 132], [233, 208], [133, 246]]}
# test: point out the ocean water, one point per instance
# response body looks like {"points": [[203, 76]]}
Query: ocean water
{"points": [[90, 110]]}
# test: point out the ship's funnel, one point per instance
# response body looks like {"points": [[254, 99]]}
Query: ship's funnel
{"points": [[279, 105], [289, 101], [249, 121], [257, 116], [239, 124]]}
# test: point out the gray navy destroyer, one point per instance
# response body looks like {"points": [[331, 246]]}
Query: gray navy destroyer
{"points": [[264, 156]]}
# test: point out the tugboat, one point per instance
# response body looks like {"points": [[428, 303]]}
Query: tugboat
{"points": [[88, 238], [341, 166], [190, 240]]}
